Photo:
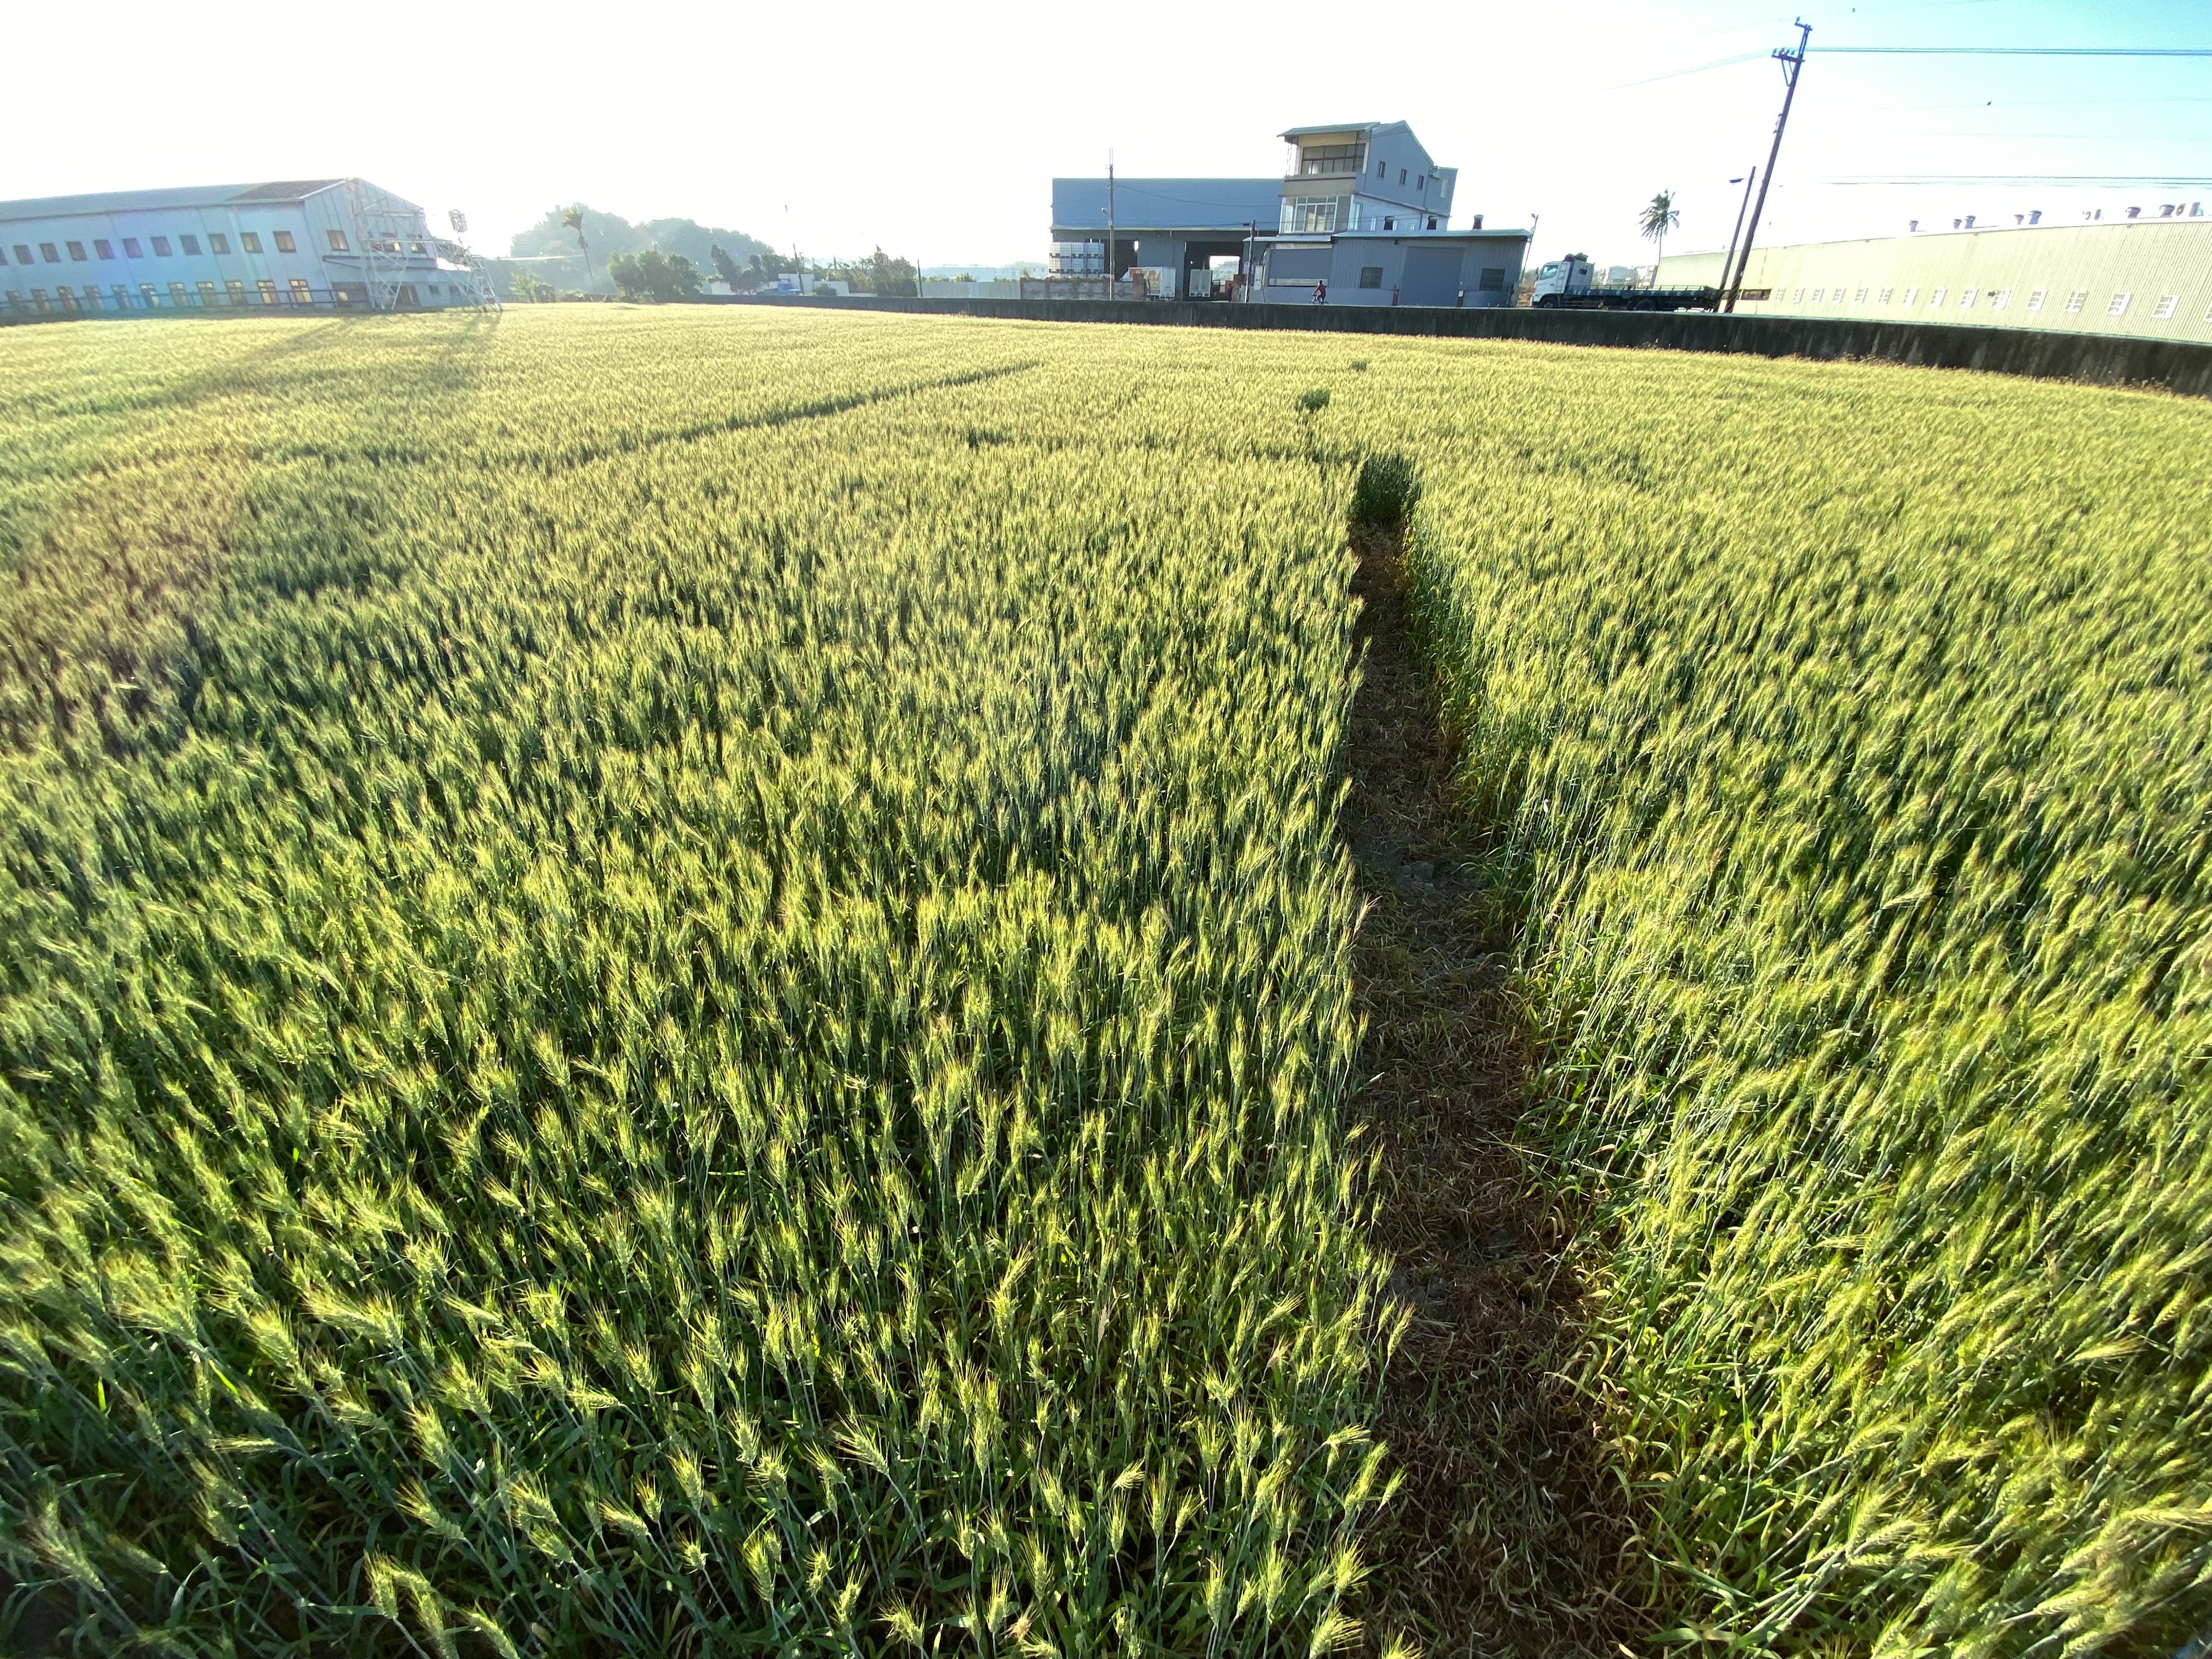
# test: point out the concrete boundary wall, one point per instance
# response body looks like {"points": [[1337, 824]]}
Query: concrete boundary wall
{"points": [[2179, 366]]}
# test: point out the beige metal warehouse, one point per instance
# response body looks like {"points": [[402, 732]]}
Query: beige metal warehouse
{"points": [[2150, 278]]}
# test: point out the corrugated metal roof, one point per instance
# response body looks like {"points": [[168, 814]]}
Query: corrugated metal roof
{"points": [[286, 189], [141, 201], [1167, 204], [1338, 126]]}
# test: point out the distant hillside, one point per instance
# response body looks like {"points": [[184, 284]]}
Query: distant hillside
{"points": [[609, 234]]}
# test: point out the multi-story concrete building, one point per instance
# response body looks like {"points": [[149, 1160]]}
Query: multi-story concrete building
{"points": [[2148, 276], [294, 242], [1361, 215], [1366, 175]]}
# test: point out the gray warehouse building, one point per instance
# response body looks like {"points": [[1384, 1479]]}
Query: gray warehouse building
{"points": [[1361, 215], [315, 242]]}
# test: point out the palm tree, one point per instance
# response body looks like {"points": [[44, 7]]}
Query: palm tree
{"points": [[572, 219], [1658, 218]]}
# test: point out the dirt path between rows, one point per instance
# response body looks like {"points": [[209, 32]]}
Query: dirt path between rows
{"points": [[1507, 1539]]}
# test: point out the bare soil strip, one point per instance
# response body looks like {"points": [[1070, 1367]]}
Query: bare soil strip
{"points": [[1508, 1538]]}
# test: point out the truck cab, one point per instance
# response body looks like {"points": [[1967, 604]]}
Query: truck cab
{"points": [[1570, 275]]}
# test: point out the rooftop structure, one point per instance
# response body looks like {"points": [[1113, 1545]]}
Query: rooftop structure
{"points": [[314, 242]]}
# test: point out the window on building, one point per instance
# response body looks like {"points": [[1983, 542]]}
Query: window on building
{"points": [[284, 242], [2119, 305], [130, 248], [1817, 292], [22, 254], [1913, 296], [76, 251], [407, 294], [1886, 293], [1370, 276], [217, 242], [190, 244], [91, 297], [2078, 299], [2166, 308], [208, 300], [1936, 298], [268, 291], [300, 296], [2035, 299], [38, 300], [2000, 298], [1402, 175], [161, 247], [178, 296], [1860, 297], [250, 241], [338, 241], [1798, 297], [121, 296], [68, 299], [146, 292], [15, 300], [106, 250], [1382, 169], [1493, 280], [236, 291], [50, 253], [1966, 298]]}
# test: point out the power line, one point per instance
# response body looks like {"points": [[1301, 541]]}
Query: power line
{"points": [[2021, 51], [2098, 178]]}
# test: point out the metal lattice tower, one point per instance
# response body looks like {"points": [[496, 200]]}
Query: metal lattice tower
{"points": [[398, 250]]}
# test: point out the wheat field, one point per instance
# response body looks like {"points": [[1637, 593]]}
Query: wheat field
{"points": [[678, 982]]}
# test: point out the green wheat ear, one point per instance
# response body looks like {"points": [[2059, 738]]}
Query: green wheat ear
{"points": [[652, 1001]]}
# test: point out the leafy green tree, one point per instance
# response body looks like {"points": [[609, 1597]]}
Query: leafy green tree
{"points": [[623, 271], [727, 268], [683, 280], [653, 276], [884, 275]]}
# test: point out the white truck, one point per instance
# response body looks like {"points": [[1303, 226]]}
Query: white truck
{"points": [[1569, 284]]}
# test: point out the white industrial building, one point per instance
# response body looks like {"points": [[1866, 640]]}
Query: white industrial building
{"points": [[302, 242]]}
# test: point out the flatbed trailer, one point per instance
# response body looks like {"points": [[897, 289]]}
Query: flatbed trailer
{"points": [[1631, 299]]}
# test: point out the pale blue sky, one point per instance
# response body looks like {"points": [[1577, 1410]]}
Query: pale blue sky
{"points": [[935, 128]]}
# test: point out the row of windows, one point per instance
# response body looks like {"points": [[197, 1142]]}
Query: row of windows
{"points": [[204, 296], [1997, 299], [249, 241]]}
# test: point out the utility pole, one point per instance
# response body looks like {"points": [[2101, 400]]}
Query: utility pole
{"points": [[1112, 259], [1792, 63], [1736, 235]]}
